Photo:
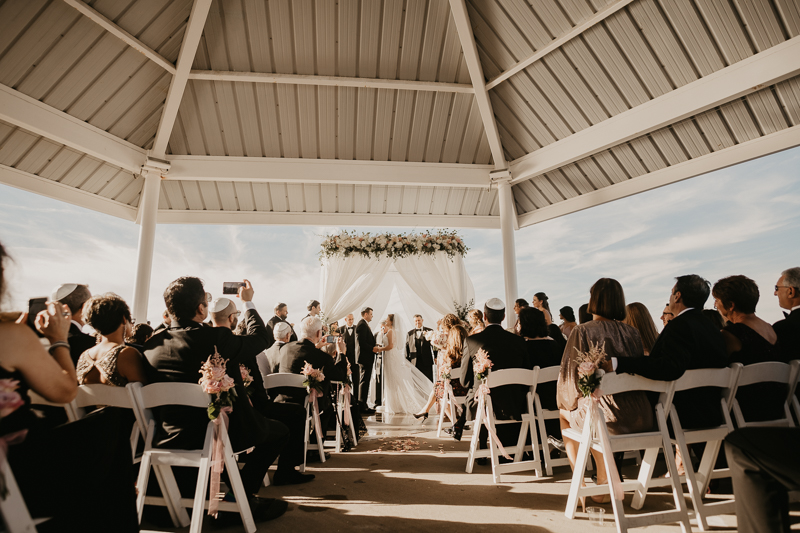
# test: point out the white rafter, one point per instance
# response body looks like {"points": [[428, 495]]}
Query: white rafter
{"points": [[762, 146], [750, 75], [28, 113], [167, 216], [267, 169], [560, 41], [191, 39], [458, 8], [330, 81], [58, 191], [126, 37]]}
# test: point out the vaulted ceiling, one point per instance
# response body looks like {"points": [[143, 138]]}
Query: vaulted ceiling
{"points": [[387, 112]]}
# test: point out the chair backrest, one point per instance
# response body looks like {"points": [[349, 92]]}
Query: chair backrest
{"points": [[614, 383], [547, 374], [97, 394], [510, 376], [36, 399], [284, 379], [158, 394], [768, 371], [724, 378]]}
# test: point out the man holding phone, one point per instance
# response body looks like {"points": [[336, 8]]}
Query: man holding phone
{"points": [[74, 295]]}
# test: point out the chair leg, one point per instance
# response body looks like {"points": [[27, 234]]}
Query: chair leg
{"points": [[543, 436], [645, 475], [141, 484], [706, 468], [580, 468], [172, 495], [473, 445], [198, 505], [494, 452], [677, 490], [238, 489]]}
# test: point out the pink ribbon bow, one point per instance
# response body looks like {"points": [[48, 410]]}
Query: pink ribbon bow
{"points": [[348, 418], [615, 481], [217, 462], [313, 394]]}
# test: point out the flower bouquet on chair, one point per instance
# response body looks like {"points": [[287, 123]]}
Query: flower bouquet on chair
{"points": [[482, 366], [218, 384], [313, 384], [590, 375]]}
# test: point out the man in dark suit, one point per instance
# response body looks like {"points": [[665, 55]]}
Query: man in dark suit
{"points": [[788, 329], [348, 333], [176, 355], [418, 349], [688, 341], [505, 350], [281, 312], [294, 357], [365, 357], [224, 315], [74, 296]]}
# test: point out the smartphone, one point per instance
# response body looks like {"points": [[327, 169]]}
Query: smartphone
{"points": [[330, 339], [231, 287], [35, 306]]}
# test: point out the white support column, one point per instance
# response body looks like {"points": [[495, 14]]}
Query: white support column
{"points": [[502, 179], [148, 213]]}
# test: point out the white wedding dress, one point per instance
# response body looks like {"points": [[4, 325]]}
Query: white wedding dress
{"points": [[407, 389]]}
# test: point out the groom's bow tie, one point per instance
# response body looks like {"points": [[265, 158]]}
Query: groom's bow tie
{"points": [[785, 314]]}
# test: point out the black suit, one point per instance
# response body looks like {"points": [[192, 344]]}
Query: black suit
{"points": [[176, 355], [274, 320], [350, 356], [365, 357], [788, 331], [79, 342], [689, 341], [423, 351]]}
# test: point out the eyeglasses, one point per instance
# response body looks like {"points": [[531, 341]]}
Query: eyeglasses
{"points": [[781, 287]]}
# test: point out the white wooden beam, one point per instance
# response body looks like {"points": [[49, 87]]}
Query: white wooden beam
{"points": [[598, 17], [265, 169], [191, 39], [166, 216], [331, 81], [750, 75], [733, 155], [123, 35], [58, 191], [30, 114], [458, 8]]}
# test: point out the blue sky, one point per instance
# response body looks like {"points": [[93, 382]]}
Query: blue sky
{"points": [[740, 220]]}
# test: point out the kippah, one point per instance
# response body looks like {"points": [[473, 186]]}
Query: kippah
{"points": [[364, 310], [220, 304], [281, 329], [310, 302], [496, 304], [62, 291]]}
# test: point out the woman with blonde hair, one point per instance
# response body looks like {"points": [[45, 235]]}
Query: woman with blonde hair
{"points": [[638, 316], [475, 320], [456, 337]]}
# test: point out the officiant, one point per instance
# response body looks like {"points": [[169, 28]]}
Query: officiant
{"points": [[418, 348]]}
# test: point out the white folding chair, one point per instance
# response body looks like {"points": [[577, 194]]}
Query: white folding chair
{"points": [[546, 375], [793, 389], [340, 425], [448, 404], [725, 379], [190, 395], [485, 416], [68, 407], [768, 372], [651, 441], [16, 517], [288, 380], [107, 395]]}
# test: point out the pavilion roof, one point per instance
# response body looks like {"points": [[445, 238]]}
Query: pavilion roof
{"points": [[387, 112]]}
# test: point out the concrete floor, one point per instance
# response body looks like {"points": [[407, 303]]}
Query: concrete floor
{"points": [[376, 488]]}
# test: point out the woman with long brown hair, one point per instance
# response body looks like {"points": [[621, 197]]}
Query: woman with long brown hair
{"points": [[449, 356], [637, 315]]}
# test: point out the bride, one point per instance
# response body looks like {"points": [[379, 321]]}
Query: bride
{"points": [[406, 389]]}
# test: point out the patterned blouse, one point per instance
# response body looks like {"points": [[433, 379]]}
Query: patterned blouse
{"points": [[105, 364]]}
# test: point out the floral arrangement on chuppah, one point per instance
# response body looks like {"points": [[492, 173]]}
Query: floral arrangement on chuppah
{"points": [[393, 245]]}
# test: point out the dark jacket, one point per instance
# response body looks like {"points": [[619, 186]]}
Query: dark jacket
{"points": [[79, 342], [294, 356], [350, 343], [689, 341], [274, 320], [506, 350], [365, 342], [788, 331], [176, 355]]}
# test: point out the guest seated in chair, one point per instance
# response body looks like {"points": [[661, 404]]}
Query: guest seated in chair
{"points": [[74, 296], [225, 315], [295, 355], [749, 340], [269, 362], [452, 353], [638, 316], [787, 289], [110, 362], [176, 355], [544, 352], [628, 412], [505, 350], [77, 474]]}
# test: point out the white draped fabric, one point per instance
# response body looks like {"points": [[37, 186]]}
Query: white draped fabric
{"points": [[429, 285]]}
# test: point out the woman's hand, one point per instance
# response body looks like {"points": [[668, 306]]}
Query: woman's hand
{"points": [[54, 322]]}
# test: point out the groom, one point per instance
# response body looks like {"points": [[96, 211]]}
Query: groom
{"points": [[365, 357], [419, 348]]}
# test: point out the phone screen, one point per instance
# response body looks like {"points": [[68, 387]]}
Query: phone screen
{"points": [[35, 306], [330, 339], [231, 287]]}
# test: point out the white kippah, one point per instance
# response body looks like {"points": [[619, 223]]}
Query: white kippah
{"points": [[281, 329], [62, 291], [495, 304], [310, 302], [220, 304]]}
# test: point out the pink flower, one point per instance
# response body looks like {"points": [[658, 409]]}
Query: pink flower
{"points": [[226, 383], [211, 387], [586, 368], [246, 377], [10, 400]]}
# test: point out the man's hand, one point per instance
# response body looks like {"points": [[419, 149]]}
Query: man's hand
{"points": [[341, 347], [246, 292], [377, 349], [606, 365], [54, 322]]}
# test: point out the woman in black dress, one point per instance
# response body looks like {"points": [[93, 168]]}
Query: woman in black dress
{"points": [[542, 351], [749, 340]]}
